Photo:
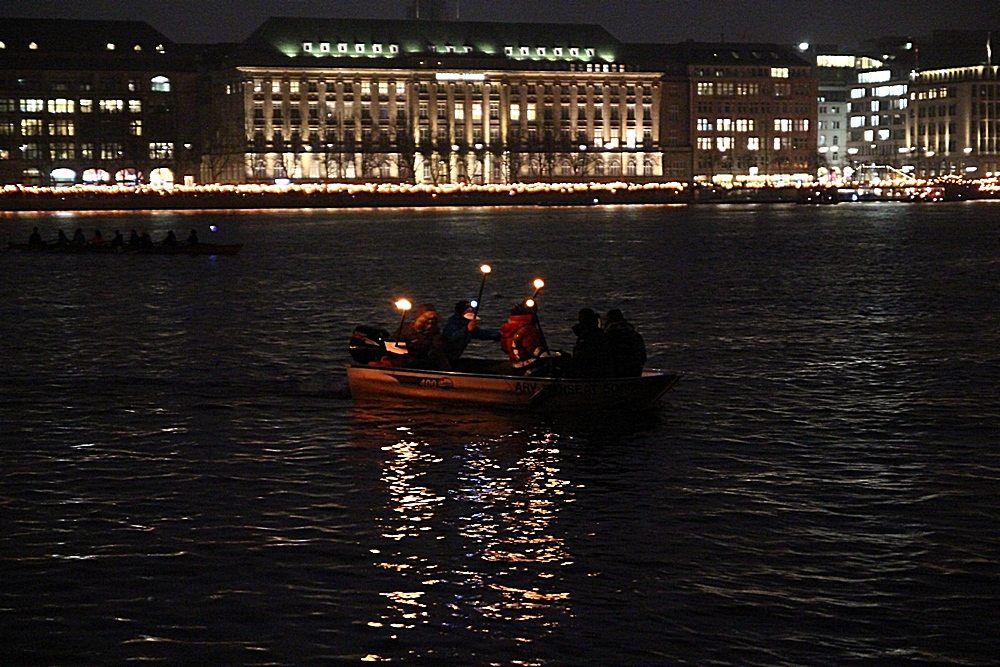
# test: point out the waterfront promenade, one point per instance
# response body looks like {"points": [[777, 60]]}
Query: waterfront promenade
{"points": [[339, 195]]}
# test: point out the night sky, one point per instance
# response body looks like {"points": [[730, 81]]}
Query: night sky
{"points": [[843, 23]]}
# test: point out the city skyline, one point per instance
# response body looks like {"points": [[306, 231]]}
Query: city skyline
{"points": [[206, 21]]}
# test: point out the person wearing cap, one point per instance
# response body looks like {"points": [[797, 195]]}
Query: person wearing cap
{"points": [[628, 349], [461, 328], [423, 340], [591, 357]]}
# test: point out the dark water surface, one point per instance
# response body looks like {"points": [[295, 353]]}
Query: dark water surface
{"points": [[184, 481]]}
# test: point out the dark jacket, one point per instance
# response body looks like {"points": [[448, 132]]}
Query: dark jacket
{"points": [[456, 336], [627, 348], [591, 357]]}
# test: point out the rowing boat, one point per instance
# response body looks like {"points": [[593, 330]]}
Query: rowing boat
{"points": [[478, 382], [107, 248]]}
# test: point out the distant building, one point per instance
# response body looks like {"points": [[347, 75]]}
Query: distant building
{"points": [[877, 146], [836, 74], [420, 100], [95, 102], [953, 126]]}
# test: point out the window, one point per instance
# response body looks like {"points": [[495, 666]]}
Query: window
{"points": [[61, 128], [704, 125], [161, 150], [704, 89], [61, 105], [61, 150], [111, 106], [32, 106], [135, 106], [782, 124], [31, 127], [704, 143], [135, 127], [724, 144], [159, 84], [111, 150], [779, 72], [7, 104], [753, 143], [515, 113]]}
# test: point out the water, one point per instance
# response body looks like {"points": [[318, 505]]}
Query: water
{"points": [[185, 481]]}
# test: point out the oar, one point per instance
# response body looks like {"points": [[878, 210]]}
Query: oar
{"points": [[485, 268]]}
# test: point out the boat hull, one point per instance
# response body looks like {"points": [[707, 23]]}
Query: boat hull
{"points": [[378, 383]]}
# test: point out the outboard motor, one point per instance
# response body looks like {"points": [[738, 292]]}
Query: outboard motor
{"points": [[368, 344]]}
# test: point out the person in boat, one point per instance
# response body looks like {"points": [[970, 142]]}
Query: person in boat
{"points": [[78, 237], [627, 348], [35, 240], [62, 239], [591, 356], [192, 238], [522, 340], [97, 238], [118, 241], [134, 240], [170, 240], [145, 241], [461, 328], [424, 345]]}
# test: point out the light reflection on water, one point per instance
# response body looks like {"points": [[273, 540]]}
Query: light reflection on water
{"points": [[470, 531]]}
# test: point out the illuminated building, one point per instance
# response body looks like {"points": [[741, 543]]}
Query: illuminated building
{"points": [[835, 72], [876, 143], [747, 112], [953, 117], [439, 102], [94, 101]]}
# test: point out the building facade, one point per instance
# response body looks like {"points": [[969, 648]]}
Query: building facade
{"points": [[418, 101], [953, 117], [753, 113], [94, 102], [445, 102]]}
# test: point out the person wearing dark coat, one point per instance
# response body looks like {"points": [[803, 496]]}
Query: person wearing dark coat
{"points": [[423, 340], [35, 240], [627, 348], [461, 328], [591, 357]]}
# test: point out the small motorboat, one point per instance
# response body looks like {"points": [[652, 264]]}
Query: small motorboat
{"points": [[477, 382]]}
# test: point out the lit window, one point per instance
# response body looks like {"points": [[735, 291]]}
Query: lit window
{"points": [[515, 113], [161, 150], [86, 106], [541, 50], [753, 143], [137, 48], [590, 53], [341, 48], [573, 51], [135, 128], [525, 51], [110, 46], [883, 135], [394, 48], [275, 87], [557, 52], [307, 47], [2, 45], [724, 143], [61, 105], [779, 72], [376, 48], [324, 47], [111, 106], [704, 143], [135, 106], [704, 125], [159, 84], [359, 48], [33, 46]]}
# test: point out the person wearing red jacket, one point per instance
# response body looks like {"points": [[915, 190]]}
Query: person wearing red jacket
{"points": [[521, 340]]}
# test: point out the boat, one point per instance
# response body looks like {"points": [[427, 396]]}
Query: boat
{"points": [[475, 382], [107, 248]]}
